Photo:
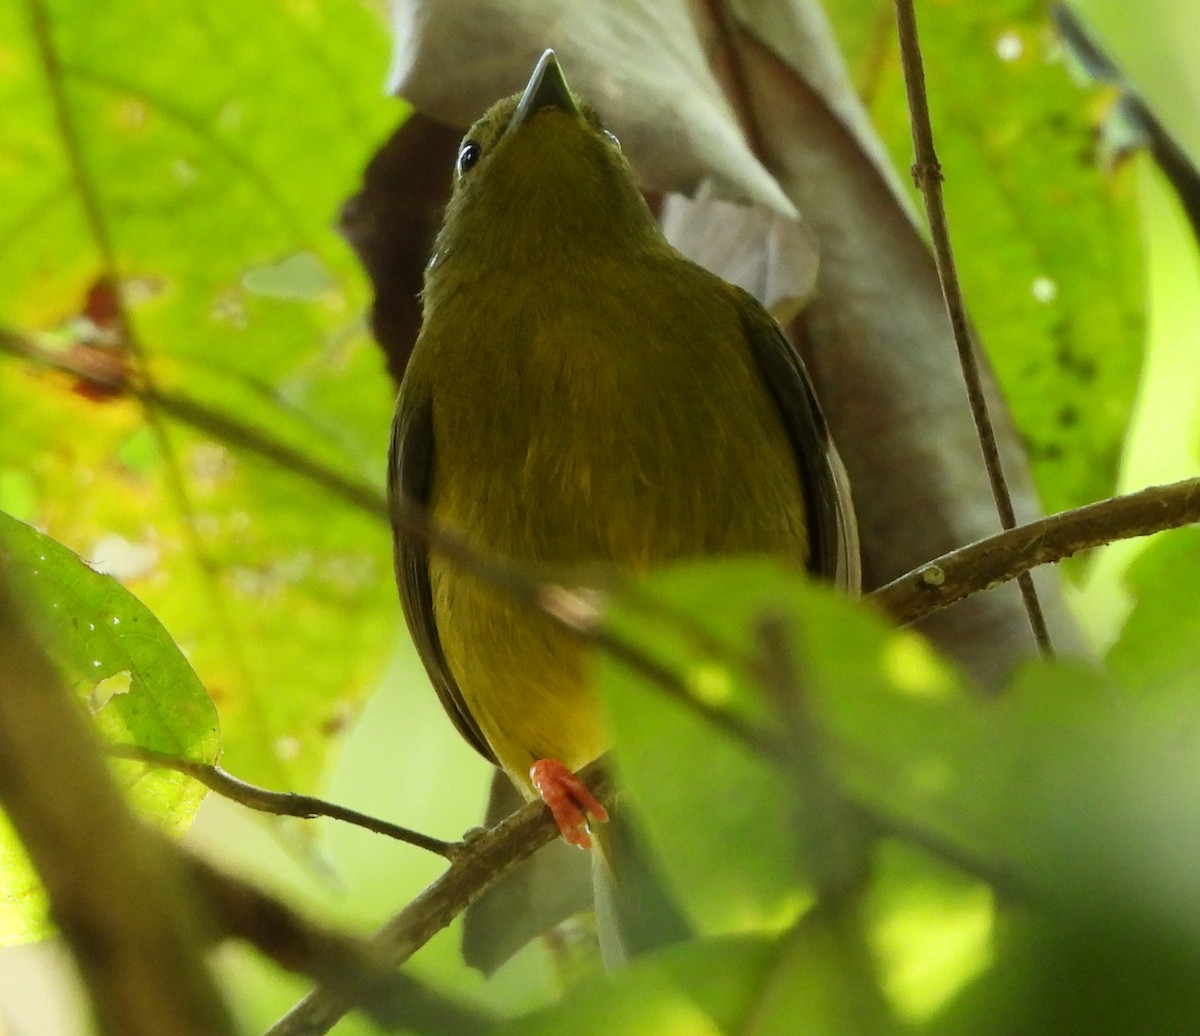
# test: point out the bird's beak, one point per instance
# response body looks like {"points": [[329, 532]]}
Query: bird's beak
{"points": [[547, 89]]}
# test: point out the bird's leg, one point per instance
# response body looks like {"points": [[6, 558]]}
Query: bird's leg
{"points": [[570, 802]]}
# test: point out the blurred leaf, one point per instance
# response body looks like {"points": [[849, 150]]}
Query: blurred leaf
{"points": [[1077, 798], [973, 774], [1046, 242], [1111, 833], [1095, 975], [699, 988], [717, 812], [167, 145], [130, 675], [823, 982], [1159, 647], [931, 928], [811, 979], [744, 862]]}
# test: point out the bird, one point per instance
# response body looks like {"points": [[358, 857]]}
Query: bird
{"points": [[583, 398]]}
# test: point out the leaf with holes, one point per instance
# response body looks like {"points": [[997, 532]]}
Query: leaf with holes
{"points": [[131, 676]]}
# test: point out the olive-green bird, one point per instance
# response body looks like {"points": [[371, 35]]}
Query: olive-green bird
{"points": [[582, 396]]}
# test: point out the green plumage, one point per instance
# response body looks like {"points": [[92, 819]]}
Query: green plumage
{"points": [[583, 396]]}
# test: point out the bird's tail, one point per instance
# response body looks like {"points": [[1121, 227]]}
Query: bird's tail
{"points": [[635, 911]]}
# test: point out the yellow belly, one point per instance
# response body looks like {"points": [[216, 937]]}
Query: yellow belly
{"points": [[522, 676]]}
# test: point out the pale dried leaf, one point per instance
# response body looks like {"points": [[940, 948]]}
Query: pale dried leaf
{"points": [[771, 256], [640, 62]]}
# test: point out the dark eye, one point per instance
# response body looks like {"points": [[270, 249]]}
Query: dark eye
{"points": [[468, 155], [612, 139]]}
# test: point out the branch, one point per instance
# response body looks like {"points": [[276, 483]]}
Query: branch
{"points": [[405, 516], [1002, 876], [120, 899], [393, 1000], [129, 903], [1170, 155], [1007, 555], [137, 910], [577, 610], [487, 857], [191, 412], [280, 803], [927, 174]]}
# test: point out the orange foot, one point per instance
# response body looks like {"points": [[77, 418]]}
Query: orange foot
{"points": [[570, 801]]}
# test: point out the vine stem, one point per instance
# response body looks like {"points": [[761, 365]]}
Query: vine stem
{"points": [[927, 175]]}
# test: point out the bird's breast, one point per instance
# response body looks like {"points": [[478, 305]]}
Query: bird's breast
{"points": [[600, 438]]}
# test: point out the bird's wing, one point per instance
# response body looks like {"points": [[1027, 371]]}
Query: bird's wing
{"points": [[410, 470], [833, 532]]}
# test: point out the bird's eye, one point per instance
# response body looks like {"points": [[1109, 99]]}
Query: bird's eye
{"points": [[468, 155], [612, 139]]}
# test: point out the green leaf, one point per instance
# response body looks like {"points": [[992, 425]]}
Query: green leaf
{"points": [[699, 988], [131, 676], [1109, 943], [699, 791], [1074, 793], [724, 821], [165, 145], [1046, 243], [1159, 647], [931, 928]]}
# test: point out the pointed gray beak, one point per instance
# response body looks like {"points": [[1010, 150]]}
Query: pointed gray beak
{"points": [[547, 89]]}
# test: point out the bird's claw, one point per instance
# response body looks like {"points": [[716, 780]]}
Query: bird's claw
{"points": [[569, 800]]}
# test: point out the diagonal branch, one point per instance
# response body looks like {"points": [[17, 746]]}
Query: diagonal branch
{"points": [[393, 999], [488, 856]]}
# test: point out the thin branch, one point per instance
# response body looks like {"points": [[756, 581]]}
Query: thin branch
{"points": [[932, 586], [927, 174], [222, 426], [575, 609], [487, 858], [281, 803], [336, 959], [1007, 555], [1172, 158], [1002, 877]]}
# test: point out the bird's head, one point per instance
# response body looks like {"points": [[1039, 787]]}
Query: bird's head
{"points": [[539, 177]]}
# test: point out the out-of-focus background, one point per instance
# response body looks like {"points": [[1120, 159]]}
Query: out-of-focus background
{"points": [[219, 141]]}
